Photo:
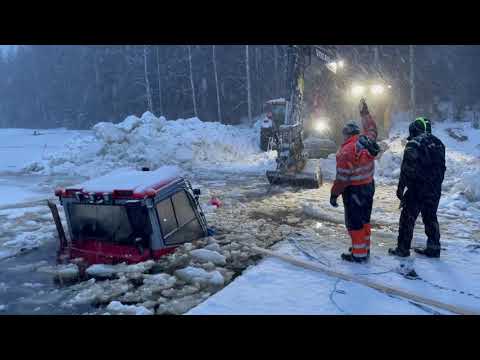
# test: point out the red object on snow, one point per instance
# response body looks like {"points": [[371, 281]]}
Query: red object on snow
{"points": [[215, 202]]}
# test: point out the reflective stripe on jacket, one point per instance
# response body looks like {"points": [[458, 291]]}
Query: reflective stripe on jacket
{"points": [[355, 165]]}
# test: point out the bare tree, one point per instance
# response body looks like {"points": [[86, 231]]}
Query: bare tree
{"points": [[192, 84], [159, 77], [214, 58], [275, 69], [412, 81], [148, 90], [249, 94]]}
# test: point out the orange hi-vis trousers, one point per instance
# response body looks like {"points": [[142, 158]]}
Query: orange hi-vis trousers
{"points": [[360, 244]]}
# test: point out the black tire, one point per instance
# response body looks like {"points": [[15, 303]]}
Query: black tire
{"points": [[265, 134]]}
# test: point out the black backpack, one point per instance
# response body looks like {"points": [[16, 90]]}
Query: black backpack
{"points": [[431, 163]]}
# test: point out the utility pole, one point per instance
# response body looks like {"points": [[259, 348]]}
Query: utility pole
{"points": [[412, 82]]}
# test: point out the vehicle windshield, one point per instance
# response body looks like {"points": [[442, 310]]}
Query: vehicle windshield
{"points": [[110, 223], [278, 114]]}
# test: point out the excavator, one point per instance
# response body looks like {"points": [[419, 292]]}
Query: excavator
{"points": [[285, 124], [285, 129]]}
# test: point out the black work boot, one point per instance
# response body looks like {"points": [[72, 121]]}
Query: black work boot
{"points": [[398, 252], [350, 251], [428, 252], [349, 257]]}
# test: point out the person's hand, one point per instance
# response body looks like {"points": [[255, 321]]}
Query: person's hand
{"points": [[400, 193], [333, 200], [363, 107]]}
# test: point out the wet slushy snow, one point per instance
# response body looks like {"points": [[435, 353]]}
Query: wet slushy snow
{"points": [[300, 223]]}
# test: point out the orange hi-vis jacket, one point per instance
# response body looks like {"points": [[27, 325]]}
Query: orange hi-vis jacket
{"points": [[355, 165]]}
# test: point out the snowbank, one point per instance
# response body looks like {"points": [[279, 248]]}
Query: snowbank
{"points": [[205, 255], [462, 157], [118, 308], [194, 275], [470, 186], [105, 270], [153, 142]]}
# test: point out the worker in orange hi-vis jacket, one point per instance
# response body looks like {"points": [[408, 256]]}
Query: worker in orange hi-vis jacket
{"points": [[354, 181]]}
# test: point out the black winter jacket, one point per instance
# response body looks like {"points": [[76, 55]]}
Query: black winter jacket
{"points": [[423, 167]]}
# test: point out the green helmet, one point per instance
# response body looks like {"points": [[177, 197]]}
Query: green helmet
{"points": [[420, 126], [425, 124]]}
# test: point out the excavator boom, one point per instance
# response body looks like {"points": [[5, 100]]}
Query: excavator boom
{"points": [[293, 166]]}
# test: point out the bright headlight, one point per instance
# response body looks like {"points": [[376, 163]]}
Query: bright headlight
{"points": [[332, 66], [321, 125], [358, 90], [377, 89]]}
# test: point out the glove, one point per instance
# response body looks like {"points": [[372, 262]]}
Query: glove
{"points": [[333, 200], [372, 147], [363, 107], [400, 193]]}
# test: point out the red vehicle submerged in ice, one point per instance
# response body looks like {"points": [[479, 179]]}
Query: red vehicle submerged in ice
{"points": [[130, 216]]}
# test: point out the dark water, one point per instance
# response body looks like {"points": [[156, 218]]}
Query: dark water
{"points": [[23, 290], [45, 296]]}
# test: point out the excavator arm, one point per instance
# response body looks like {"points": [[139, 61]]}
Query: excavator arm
{"points": [[292, 160]]}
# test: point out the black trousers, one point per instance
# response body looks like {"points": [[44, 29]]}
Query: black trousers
{"points": [[358, 202], [413, 206]]}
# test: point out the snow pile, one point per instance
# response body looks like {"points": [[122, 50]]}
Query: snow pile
{"points": [[328, 167], [194, 275], [161, 281], [153, 142], [106, 271], [118, 308], [62, 273], [205, 255], [470, 186]]}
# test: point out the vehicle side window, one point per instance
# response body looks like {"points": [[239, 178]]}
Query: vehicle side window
{"points": [[186, 233], [178, 219], [166, 216], [183, 208]]}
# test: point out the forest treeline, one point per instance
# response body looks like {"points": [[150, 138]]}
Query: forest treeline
{"points": [[73, 86]]}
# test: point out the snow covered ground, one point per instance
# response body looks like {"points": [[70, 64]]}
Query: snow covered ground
{"points": [[24, 216], [19, 146], [31, 166], [274, 287]]}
